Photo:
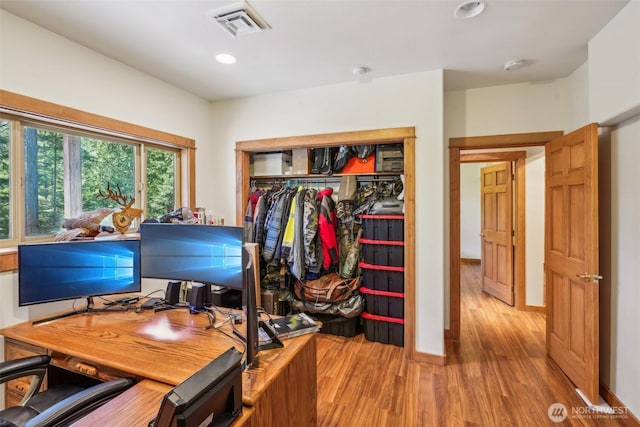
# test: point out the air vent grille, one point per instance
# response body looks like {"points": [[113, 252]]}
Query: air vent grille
{"points": [[239, 20]]}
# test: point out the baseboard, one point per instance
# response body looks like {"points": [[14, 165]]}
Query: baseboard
{"points": [[470, 260], [434, 359], [614, 402], [536, 309]]}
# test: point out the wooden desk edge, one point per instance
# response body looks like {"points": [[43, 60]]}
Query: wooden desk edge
{"points": [[293, 348], [134, 407]]}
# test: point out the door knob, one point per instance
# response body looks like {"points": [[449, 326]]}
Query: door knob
{"points": [[587, 276], [481, 234]]}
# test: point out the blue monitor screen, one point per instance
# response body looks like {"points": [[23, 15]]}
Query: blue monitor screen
{"points": [[201, 253], [68, 270]]}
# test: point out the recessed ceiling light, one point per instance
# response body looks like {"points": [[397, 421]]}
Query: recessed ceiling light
{"points": [[225, 58], [469, 9], [514, 64]]}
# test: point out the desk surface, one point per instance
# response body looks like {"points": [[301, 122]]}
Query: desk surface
{"points": [[166, 347]]}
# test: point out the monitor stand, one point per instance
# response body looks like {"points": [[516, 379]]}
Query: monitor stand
{"points": [[88, 309]]}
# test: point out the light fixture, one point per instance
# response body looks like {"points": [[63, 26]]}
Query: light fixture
{"points": [[469, 9], [225, 58], [361, 71], [514, 64]]}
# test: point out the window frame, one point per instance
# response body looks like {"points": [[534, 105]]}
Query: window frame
{"points": [[23, 110]]}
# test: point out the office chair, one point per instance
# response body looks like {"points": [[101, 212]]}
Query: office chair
{"points": [[59, 405]]}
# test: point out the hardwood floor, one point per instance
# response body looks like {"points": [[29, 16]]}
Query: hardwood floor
{"points": [[497, 375]]}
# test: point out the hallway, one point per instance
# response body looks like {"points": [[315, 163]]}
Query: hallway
{"points": [[497, 375]]}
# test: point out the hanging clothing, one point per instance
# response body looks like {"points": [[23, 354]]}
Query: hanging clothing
{"points": [[253, 200], [310, 231], [248, 224], [296, 258], [259, 217], [287, 196], [289, 229], [327, 223], [273, 225]]}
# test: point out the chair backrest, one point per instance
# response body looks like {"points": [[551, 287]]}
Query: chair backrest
{"points": [[80, 404], [34, 366]]}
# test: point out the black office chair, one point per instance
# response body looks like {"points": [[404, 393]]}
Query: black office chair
{"points": [[59, 405]]}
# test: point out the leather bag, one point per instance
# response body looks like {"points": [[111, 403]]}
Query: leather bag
{"points": [[329, 288]]}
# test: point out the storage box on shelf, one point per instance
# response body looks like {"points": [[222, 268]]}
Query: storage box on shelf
{"points": [[383, 303], [266, 164], [382, 252], [383, 227], [338, 325], [382, 277], [389, 158], [383, 329], [301, 161]]}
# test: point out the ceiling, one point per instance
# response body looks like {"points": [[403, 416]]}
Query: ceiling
{"points": [[319, 42]]}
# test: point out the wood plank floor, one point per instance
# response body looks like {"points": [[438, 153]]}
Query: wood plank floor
{"points": [[497, 375]]}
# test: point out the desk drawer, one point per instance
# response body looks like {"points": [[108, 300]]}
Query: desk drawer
{"points": [[16, 389], [89, 369]]}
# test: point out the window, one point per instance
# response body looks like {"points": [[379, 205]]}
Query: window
{"points": [[65, 175], [44, 181], [5, 181], [161, 182], [64, 172]]}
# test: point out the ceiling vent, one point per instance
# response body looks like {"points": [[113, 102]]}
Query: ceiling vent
{"points": [[239, 19]]}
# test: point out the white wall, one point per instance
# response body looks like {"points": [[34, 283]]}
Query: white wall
{"points": [[620, 369], [517, 108], [80, 78], [408, 100], [38, 63], [470, 205], [614, 68], [534, 224]]}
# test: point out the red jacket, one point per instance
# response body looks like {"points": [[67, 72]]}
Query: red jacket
{"points": [[327, 229]]}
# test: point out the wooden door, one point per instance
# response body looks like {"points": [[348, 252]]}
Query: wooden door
{"points": [[571, 256], [496, 212]]}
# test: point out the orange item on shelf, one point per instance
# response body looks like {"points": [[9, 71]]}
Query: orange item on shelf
{"points": [[356, 165]]}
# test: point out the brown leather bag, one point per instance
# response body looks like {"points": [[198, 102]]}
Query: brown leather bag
{"points": [[328, 288]]}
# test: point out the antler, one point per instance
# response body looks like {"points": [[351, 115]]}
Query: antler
{"points": [[119, 198]]}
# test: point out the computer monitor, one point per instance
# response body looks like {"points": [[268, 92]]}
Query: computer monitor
{"points": [[210, 254], [207, 254], [58, 271], [210, 397]]}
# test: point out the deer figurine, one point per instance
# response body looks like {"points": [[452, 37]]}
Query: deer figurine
{"points": [[123, 218]]}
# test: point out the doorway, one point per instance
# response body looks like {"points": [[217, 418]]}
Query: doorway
{"points": [[459, 153]]}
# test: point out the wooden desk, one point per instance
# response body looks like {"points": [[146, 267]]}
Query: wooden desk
{"points": [[167, 347]]}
